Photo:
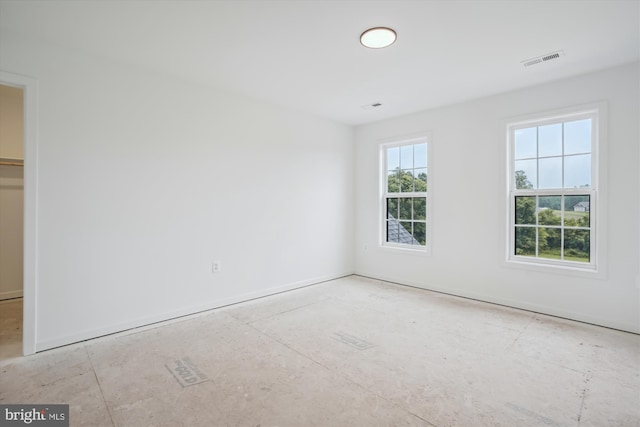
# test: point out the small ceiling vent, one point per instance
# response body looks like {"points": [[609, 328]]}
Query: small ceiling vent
{"points": [[370, 106], [544, 58]]}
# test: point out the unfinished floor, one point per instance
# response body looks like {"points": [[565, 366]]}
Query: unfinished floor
{"points": [[350, 352], [10, 328]]}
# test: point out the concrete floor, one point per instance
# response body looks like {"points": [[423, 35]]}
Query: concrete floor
{"points": [[350, 352]]}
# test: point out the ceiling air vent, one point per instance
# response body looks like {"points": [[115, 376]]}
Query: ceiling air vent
{"points": [[544, 58], [370, 106]]}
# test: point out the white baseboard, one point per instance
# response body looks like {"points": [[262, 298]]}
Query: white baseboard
{"points": [[551, 311], [168, 317]]}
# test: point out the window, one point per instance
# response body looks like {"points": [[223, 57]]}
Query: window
{"points": [[552, 190], [404, 201]]}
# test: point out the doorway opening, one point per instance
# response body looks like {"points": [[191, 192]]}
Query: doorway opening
{"points": [[28, 87], [11, 220]]}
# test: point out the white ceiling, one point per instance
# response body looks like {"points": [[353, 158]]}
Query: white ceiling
{"points": [[306, 54]]}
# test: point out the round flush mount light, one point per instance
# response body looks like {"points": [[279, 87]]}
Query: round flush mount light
{"points": [[378, 37]]}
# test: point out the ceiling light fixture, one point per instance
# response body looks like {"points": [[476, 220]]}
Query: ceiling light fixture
{"points": [[378, 37]]}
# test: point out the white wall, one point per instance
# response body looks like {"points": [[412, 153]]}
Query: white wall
{"points": [[11, 193], [144, 180], [469, 195]]}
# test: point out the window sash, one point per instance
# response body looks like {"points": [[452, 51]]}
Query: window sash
{"points": [[562, 227], [512, 128]]}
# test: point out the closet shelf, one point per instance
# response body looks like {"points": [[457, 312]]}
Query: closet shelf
{"points": [[5, 161]]}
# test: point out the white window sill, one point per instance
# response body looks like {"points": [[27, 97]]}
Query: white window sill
{"points": [[588, 271], [405, 250]]}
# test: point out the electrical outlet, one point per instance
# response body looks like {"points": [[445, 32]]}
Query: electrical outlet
{"points": [[216, 266]]}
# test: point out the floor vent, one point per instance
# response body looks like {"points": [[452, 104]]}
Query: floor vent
{"points": [[355, 342], [186, 372], [544, 58]]}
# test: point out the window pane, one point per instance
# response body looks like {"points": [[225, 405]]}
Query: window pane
{"points": [[577, 137], [406, 182], [392, 208], [525, 243], [393, 231], [526, 210], [549, 243], [550, 173], [419, 208], [551, 202], [525, 171], [525, 143], [420, 232], [549, 210], [420, 155], [577, 171], [406, 157], [405, 234], [420, 179], [577, 245], [393, 158], [393, 181], [576, 211], [550, 140], [406, 208]]}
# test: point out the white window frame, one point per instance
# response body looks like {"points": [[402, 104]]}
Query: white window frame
{"points": [[384, 194], [597, 113]]}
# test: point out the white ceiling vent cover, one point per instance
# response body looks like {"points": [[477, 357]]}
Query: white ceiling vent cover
{"points": [[544, 58], [370, 106]]}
